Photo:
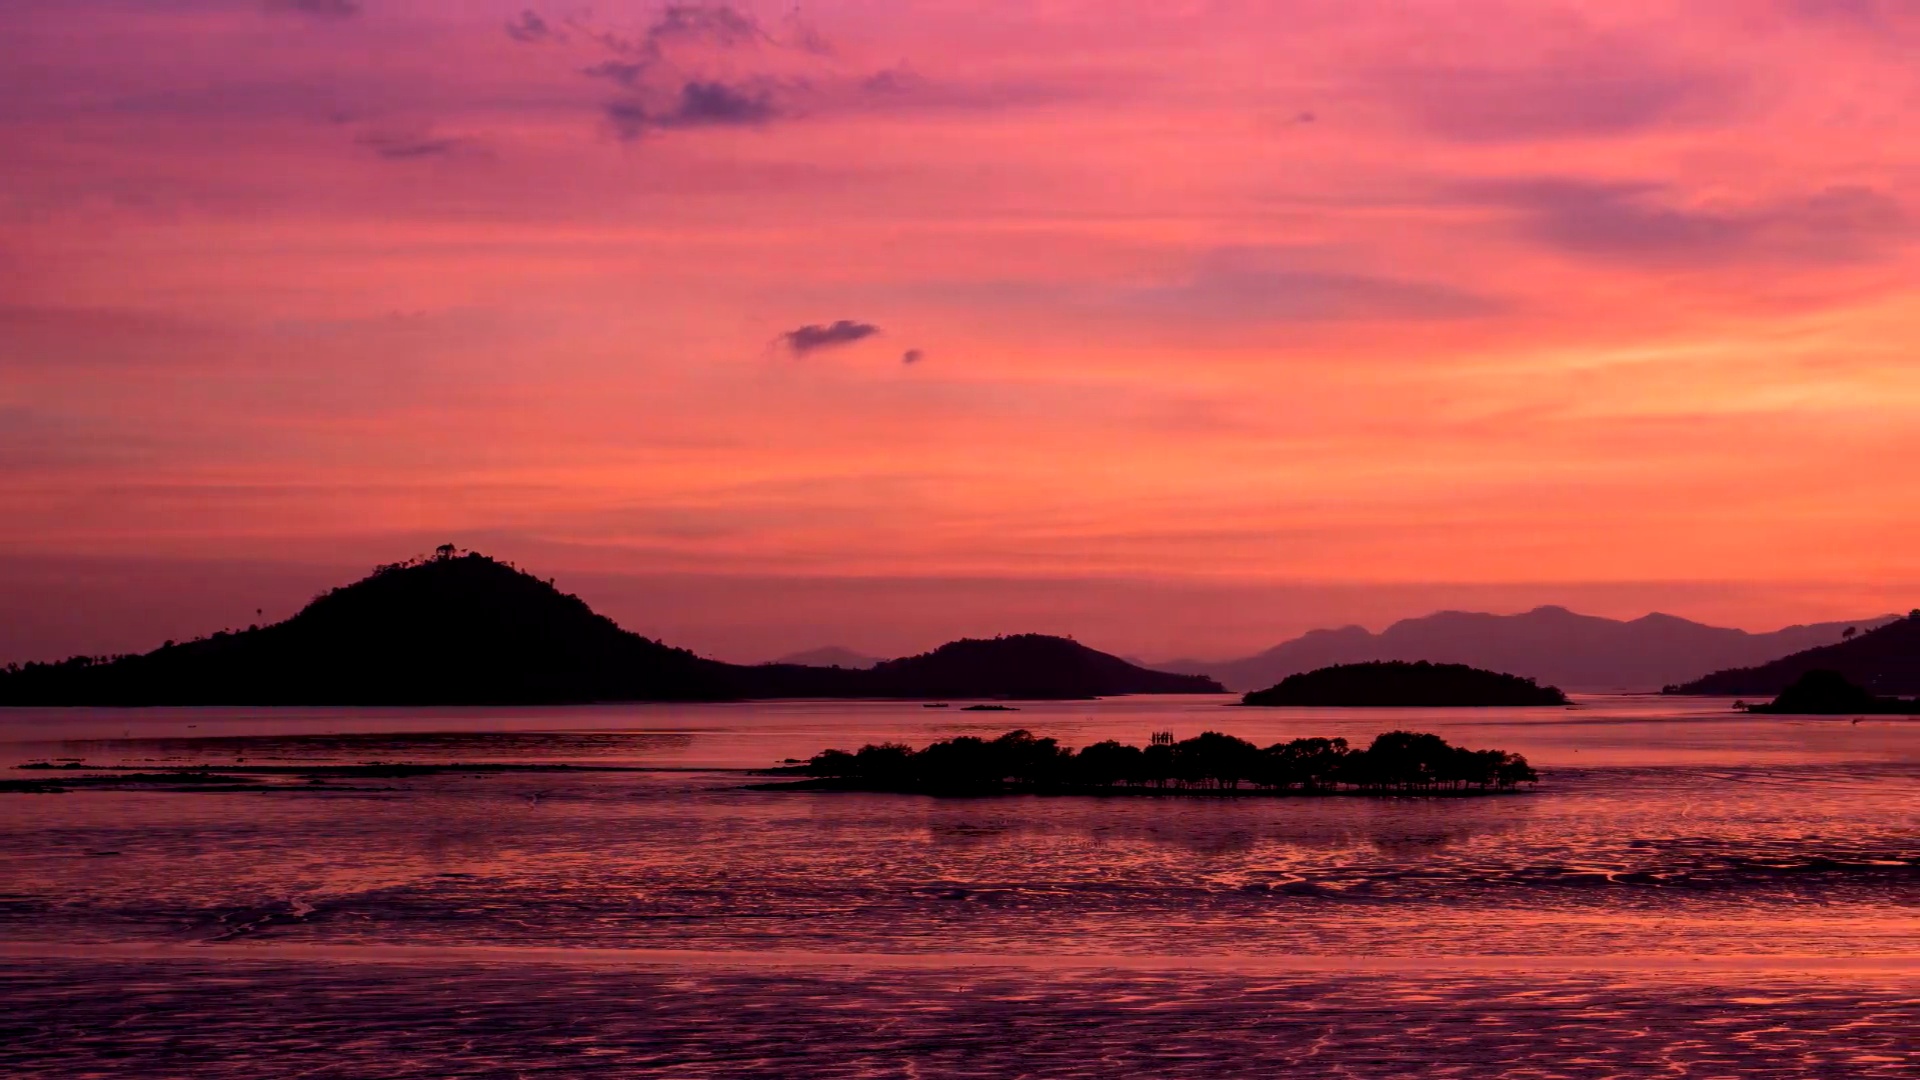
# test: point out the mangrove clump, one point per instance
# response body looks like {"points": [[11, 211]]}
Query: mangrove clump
{"points": [[1396, 763]]}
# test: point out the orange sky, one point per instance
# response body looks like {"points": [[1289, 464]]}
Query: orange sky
{"points": [[1359, 307]]}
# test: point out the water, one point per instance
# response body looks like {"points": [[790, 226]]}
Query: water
{"points": [[1690, 892]]}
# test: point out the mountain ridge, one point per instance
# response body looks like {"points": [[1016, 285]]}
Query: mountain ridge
{"points": [[1549, 643]]}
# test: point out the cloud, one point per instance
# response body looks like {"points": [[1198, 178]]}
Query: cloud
{"points": [[409, 146], [1588, 92], [624, 72], [319, 9], [1871, 12], [530, 29], [802, 35], [1642, 223], [700, 104], [806, 339], [711, 25], [900, 88], [715, 24], [1259, 284], [912, 356]]}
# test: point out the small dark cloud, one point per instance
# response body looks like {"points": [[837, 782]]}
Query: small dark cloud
{"points": [[1643, 223], [1305, 118], [912, 356], [700, 104], [530, 29], [705, 103], [806, 339], [409, 146], [319, 9]]}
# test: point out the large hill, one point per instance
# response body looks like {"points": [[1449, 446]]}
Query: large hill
{"points": [[1881, 661], [466, 629], [1548, 644]]}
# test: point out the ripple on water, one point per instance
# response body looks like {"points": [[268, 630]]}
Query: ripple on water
{"points": [[224, 1020]]}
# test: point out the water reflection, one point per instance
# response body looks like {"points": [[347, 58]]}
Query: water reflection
{"points": [[1695, 836]]}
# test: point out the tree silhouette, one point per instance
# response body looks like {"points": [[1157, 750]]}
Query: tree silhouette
{"points": [[1397, 762]]}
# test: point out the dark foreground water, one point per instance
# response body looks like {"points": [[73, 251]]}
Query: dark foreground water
{"points": [[1690, 893]]}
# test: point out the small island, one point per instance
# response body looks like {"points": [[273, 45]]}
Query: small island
{"points": [[1829, 693], [1395, 763], [1398, 684]]}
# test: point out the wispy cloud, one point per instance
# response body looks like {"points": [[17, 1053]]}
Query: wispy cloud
{"points": [[410, 145], [529, 28], [1648, 223], [624, 72], [1598, 89], [319, 9], [1275, 285]]}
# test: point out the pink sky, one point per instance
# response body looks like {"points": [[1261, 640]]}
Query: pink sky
{"points": [[1230, 319]]}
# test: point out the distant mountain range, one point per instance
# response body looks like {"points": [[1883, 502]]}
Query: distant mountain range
{"points": [[466, 629], [830, 656], [1881, 661], [1549, 644]]}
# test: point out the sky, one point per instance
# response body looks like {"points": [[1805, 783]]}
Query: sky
{"points": [[1182, 327]]}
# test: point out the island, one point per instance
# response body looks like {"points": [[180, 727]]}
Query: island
{"points": [[1211, 763], [1399, 684], [1829, 693], [460, 628], [1882, 660]]}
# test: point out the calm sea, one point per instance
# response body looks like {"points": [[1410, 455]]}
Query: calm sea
{"points": [[1690, 892]]}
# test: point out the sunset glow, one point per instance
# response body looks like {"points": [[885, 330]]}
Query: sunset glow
{"points": [[914, 319]]}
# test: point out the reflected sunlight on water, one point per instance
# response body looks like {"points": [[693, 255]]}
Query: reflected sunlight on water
{"points": [[1568, 925]]}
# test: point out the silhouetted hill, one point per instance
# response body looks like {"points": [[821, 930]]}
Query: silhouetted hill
{"points": [[1881, 661], [465, 629], [1550, 644], [455, 629], [1396, 683], [1026, 666], [830, 656], [1828, 693]]}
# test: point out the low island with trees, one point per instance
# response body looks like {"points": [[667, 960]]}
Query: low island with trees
{"points": [[1211, 763], [1399, 684], [1829, 693]]}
